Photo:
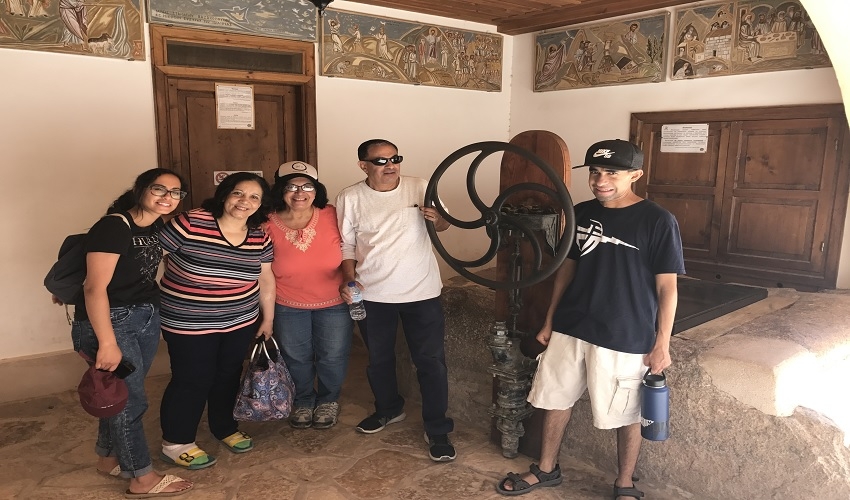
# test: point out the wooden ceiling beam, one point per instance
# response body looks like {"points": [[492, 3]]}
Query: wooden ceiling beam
{"points": [[516, 17], [587, 11], [480, 12]]}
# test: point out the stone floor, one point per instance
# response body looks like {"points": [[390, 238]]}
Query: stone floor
{"points": [[46, 452]]}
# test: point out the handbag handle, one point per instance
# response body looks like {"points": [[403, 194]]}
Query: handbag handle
{"points": [[261, 342], [276, 348]]}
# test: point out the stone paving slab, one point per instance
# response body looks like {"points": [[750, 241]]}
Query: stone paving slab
{"points": [[46, 453]]}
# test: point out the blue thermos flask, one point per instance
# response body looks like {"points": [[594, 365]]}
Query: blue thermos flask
{"points": [[655, 407]]}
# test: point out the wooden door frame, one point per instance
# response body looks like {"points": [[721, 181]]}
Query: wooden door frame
{"points": [[729, 115], [163, 72]]}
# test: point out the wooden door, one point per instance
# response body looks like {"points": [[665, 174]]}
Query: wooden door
{"points": [[765, 205], [187, 66], [200, 148]]}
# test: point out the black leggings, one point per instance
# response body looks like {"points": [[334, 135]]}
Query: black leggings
{"points": [[205, 370]]}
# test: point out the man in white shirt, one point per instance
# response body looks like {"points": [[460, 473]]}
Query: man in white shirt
{"points": [[386, 250]]}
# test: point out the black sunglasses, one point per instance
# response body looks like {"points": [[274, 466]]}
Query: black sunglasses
{"points": [[396, 159]]}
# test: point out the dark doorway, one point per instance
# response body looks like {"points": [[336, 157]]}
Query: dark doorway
{"points": [[701, 301]]}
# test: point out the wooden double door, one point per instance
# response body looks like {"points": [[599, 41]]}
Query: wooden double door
{"points": [[765, 203], [187, 66]]}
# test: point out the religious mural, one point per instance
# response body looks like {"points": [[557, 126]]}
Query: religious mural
{"points": [[389, 50], [609, 53], [745, 37], [107, 28], [292, 19]]}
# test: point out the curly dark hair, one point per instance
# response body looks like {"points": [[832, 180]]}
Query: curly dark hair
{"points": [[215, 205]]}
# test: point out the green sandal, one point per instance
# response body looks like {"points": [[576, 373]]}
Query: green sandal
{"points": [[193, 459], [238, 442]]}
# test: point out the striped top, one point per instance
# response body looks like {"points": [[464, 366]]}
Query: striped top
{"points": [[209, 285]]}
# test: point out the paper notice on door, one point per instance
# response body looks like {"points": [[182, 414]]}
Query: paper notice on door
{"points": [[684, 138], [234, 106]]}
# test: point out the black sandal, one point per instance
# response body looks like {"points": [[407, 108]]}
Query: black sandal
{"points": [[631, 491], [521, 486]]}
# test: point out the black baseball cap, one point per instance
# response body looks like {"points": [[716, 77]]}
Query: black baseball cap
{"points": [[614, 154]]}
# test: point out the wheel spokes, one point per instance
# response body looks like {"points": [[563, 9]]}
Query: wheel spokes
{"points": [[494, 220]]}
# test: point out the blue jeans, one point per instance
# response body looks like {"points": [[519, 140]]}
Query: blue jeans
{"points": [[137, 333], [316, 344], [424, 329]]}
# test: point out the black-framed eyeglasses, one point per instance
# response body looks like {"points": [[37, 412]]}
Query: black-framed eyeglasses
{"points": [[307, 188], [395, 159], [159, 190]]}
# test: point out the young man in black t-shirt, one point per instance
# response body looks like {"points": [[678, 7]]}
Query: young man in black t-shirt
{"points": [[611, 316]]}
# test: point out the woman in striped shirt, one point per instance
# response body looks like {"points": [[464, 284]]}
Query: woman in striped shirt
{"points": [[217, 282]]}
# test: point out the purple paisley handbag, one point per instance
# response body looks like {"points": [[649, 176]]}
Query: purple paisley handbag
{"points": [[267, 389]]}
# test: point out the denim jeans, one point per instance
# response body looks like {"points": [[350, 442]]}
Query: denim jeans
{"points": [[424, 329], [315, 344], [137, 333], [205, 371]]}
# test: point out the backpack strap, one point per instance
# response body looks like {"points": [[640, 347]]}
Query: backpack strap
{"points": [[124, 219]]}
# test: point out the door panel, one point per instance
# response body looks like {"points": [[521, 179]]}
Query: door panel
{"points": [[694, 214], [766, 203], [782, 154], [774, 233]]}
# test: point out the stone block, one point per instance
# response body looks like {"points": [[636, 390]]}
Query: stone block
{"points": [[770, 375]]}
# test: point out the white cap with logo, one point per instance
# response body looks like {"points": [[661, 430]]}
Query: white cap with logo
{"points": [[292, 168]]}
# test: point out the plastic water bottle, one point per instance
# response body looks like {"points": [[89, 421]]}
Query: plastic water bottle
{"points": [[356, 308], [655, 407]]}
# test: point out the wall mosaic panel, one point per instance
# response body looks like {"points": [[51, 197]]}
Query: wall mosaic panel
{"points": [[731, 38], [390, 50], [106, 28], [291, 19], [607, 53]]}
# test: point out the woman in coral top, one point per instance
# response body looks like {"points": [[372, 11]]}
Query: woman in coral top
{"points": [[311, 321]]}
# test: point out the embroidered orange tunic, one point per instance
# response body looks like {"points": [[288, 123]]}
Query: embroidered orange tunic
{"points": [[306, 261]]}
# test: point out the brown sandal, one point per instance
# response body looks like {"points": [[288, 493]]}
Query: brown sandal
{"points": [[521, 486]]}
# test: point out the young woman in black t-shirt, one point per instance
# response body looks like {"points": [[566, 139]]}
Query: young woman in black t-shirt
{"points": [[119, 320]]}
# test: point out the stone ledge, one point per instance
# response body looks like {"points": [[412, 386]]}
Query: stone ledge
{"points": [[46, 374], [771, 375], [720, 447]]}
